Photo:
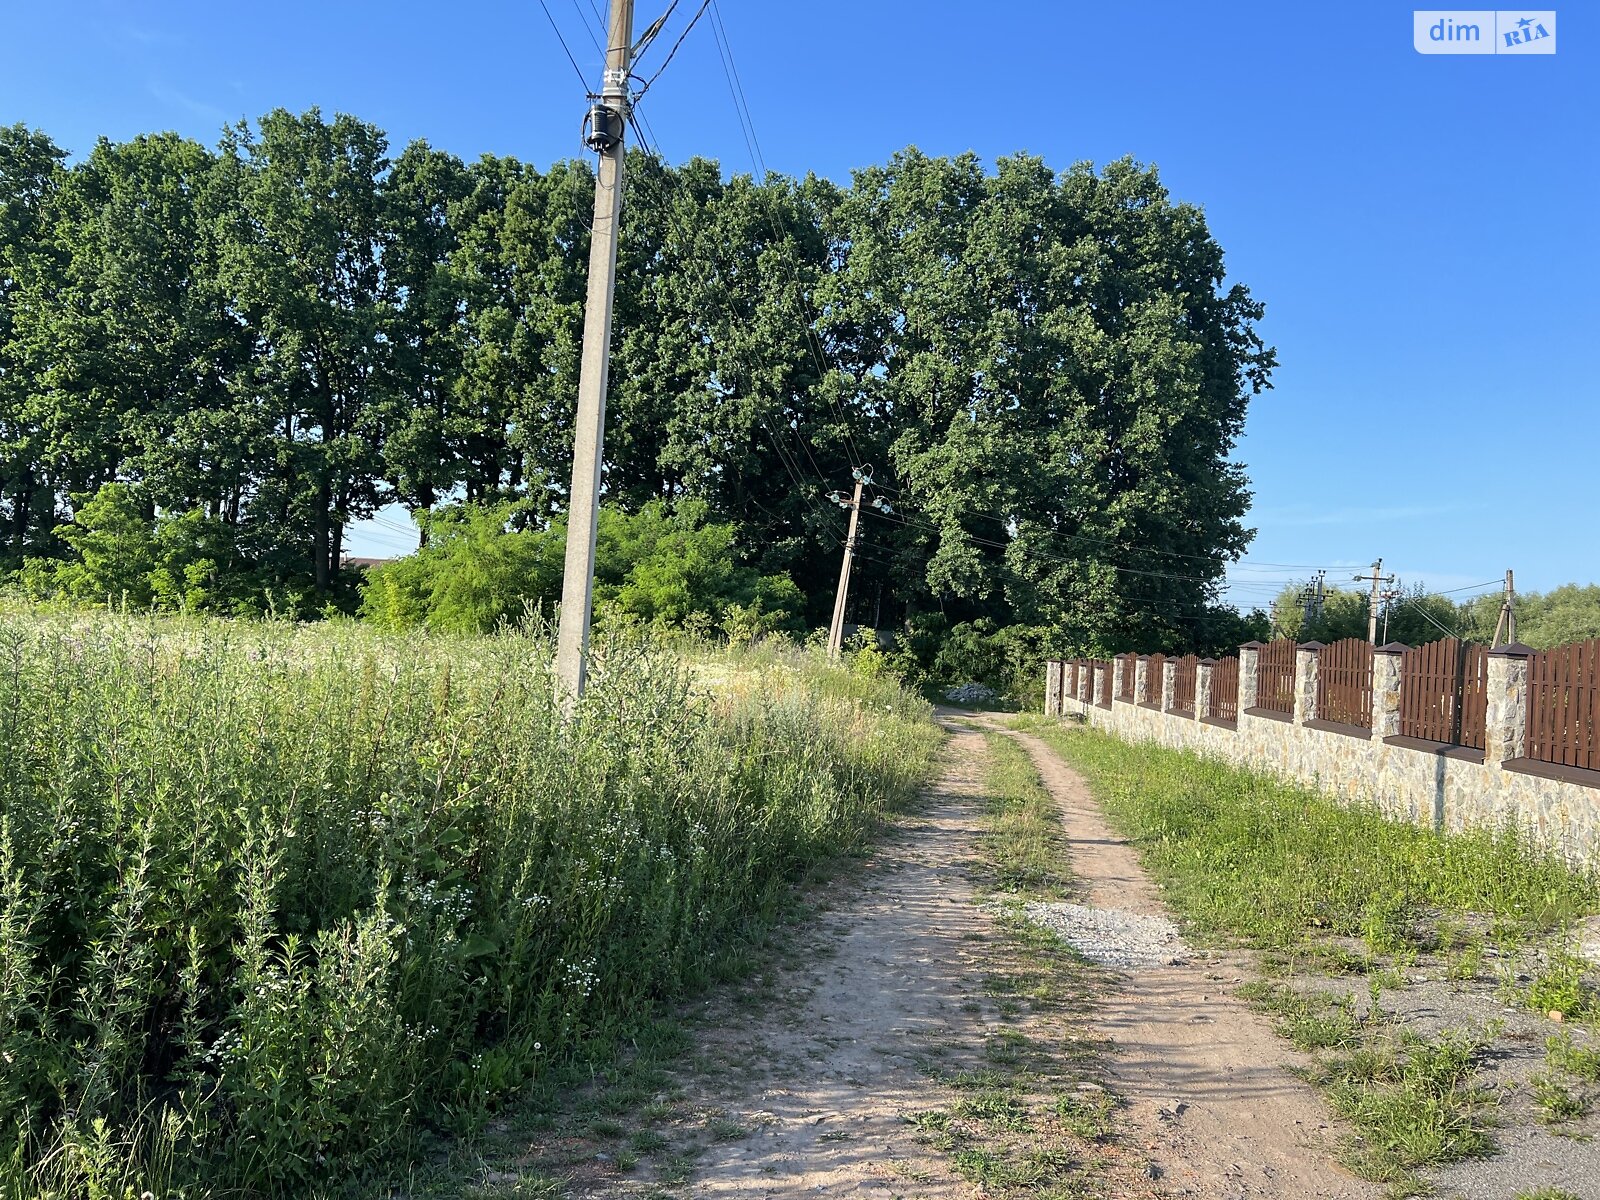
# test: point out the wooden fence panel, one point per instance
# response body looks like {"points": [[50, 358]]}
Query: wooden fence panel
{"points": [[1344, 682], [1105, 693], [1129, 664], [1183, 681], [1275, 676], [1444, 695], [1153, 664], [1564, 705], [1225, 689]]}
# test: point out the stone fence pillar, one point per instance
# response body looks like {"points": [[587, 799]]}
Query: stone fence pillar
{"points": [[1169, 684], [1085, 683], [1307, 659], [1119, 670], [1505, 734], [1202, 688], [1101, 682], [1249, 677], [1141, 679], [1052, 687], [1386, 689]]}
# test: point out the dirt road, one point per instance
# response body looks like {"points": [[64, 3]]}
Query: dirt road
{"points": [[1203, 1074], [853, 1073]]}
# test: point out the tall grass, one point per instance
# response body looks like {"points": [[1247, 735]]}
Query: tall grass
{"points": [[273, 899], [1244, 854]]}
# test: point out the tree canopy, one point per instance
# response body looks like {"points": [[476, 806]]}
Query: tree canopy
{"points": [[245, 348]]}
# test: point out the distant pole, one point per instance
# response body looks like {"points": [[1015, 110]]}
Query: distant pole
{"points": [[836, 629], [1377, 577], [1507, 622], [1388, 596], [602, 133]]}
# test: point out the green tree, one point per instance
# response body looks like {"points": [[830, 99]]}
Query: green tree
{"points": [[1064, 378], [31, 174], [423, 428], [303, 256]]}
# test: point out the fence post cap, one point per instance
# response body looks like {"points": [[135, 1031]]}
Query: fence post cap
{"points": [[1252, 646], [1391, 648], [1513, 650], [1312, 646], [1206, 662], [1141, 657]]}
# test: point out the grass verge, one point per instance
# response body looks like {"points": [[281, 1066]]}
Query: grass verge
{"points": [[1245, 856], [1326, 890]]}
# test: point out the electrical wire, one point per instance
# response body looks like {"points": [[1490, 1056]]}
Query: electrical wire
{"points": [[639, 95], [587, 28], [577, 70], [747, 128]]}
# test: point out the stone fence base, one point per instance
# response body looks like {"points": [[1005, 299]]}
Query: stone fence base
{"points": [[1448, 788]]}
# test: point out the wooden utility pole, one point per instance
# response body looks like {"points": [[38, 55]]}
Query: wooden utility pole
{"points": [[1507, 622], [836, 630], [603, 132], [1377, 577]]}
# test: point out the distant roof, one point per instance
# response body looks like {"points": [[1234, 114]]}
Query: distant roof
{"points": [[362, 564]]}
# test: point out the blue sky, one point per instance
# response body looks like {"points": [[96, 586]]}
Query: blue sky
{"points": [[1421, 228]]}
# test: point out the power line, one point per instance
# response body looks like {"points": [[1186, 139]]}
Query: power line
{"points": [[577, 70], [747, 128], [667, 61], [589, 29]]}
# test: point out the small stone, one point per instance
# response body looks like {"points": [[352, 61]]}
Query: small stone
{"points": [[1557, 1015]]}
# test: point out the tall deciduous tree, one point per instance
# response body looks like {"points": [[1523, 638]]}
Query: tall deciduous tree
{"points": [[304, 258], [30, 175], [1061, 375]]}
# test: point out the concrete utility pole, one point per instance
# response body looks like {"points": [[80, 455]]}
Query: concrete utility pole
{"points": [[1376, 578], [1388, 596], [836, 629], [1507, 622], [603, 130], [863, 478]]}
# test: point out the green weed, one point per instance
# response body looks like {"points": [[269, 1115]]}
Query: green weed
{"points": [[275, 898], [1413, 1103], [1557, 1102], [1581, 1061]]}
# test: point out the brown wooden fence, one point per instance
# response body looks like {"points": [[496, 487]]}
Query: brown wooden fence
{"points": [[1225, 689], [1275, 676], [1344, 682], [1444, 692], [1105, 695], [1153, 669], [1183, 680], [1564, 705], [1129, 661]]}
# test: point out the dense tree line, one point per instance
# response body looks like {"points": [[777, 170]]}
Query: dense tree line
{"points": [[225, 356], [1570, 613]]}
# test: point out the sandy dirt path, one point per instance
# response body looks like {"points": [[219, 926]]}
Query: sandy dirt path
{"points": [[1205, 1076], [836, 1072], [813, 1088]]}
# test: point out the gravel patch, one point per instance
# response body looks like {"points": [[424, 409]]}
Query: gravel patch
{"points": [[1110, 936]]}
